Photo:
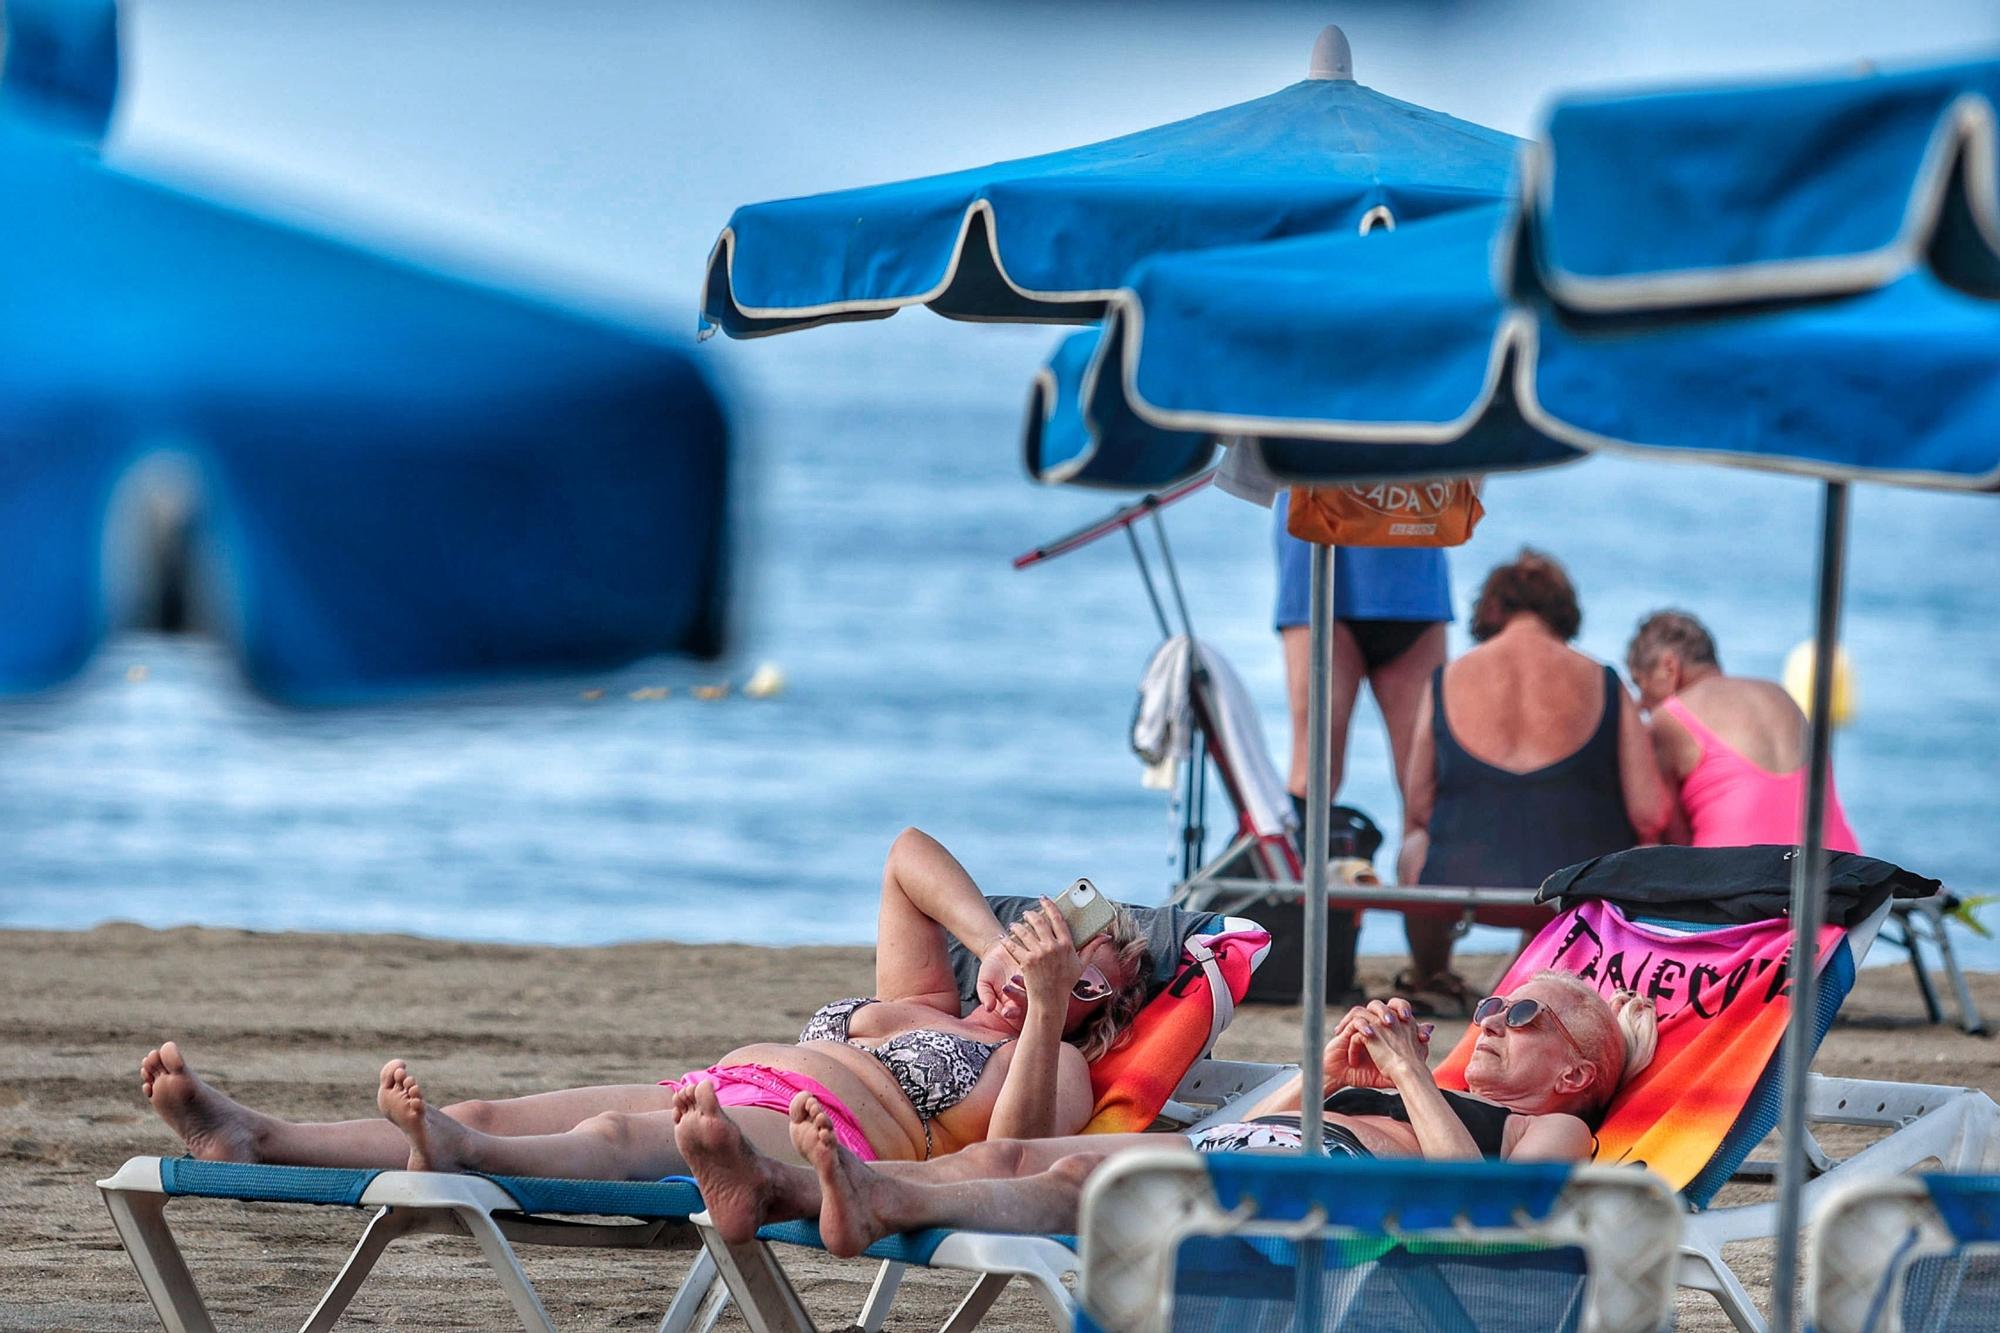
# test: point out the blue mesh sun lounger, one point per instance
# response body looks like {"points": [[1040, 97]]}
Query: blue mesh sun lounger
{"points": [[1247, 1241], [1905, 1254], [495, 1211]]}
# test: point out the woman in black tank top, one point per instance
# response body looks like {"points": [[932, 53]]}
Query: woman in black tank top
{"points": [[1490, 826], [1522, 694]]}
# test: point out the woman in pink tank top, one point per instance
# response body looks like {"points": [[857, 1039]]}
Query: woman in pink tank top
{"points": [[1730, 802], [1730, 799]]}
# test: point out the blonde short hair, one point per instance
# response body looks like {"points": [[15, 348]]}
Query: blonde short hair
{"points": [[1618, 1036]]}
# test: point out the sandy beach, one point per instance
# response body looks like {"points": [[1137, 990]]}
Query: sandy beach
{"points": [[300, 1024]]}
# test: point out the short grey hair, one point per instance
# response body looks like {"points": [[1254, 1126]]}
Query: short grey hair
{"points": [[1675, 631]]}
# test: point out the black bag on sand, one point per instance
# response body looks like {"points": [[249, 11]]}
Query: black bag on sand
{"points": [[1282, 974]]}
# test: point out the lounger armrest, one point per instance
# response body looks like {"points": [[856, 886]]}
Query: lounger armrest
{"points": [[1225, 1089], [1874, 1103]]}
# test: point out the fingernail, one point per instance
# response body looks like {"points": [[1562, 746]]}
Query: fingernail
{"points": [[1428, 1028], [1368, 1028]]}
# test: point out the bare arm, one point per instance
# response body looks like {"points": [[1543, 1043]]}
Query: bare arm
{"points": [[1648, 803], [1548, 1138], [1419, 795], [1045, 1087], [925, 892], [1045, 1091], [1441, 1136], [1344, 1063], [1666, 735]]}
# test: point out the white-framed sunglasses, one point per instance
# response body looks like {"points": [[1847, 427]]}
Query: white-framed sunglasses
{"points": [[1090, 987]]}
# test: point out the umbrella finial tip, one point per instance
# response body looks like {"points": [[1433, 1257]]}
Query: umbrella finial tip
{"points": [[1332, 57]]}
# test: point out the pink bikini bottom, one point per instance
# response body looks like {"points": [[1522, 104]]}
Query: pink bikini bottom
{"points": [[772, 1090]]}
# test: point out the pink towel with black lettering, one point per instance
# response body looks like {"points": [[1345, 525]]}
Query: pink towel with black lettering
{"points": [[1723, 997]]}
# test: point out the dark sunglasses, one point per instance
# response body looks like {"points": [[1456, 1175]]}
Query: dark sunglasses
{"points": [[1520, 1013]]}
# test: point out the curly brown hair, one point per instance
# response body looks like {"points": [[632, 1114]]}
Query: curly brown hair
{"points": [[1532, 581]]}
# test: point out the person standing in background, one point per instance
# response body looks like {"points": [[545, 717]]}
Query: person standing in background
{"points": [[1733, 748], [1528, 756], [1390, 607]]}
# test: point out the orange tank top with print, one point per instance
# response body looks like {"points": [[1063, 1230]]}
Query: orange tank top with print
{"points": [[1731, 802]]}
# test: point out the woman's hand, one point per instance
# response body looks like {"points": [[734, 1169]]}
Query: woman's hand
{"points": [[996, 968], [1388, 1043], [1047, 962], [1349, 1063]]}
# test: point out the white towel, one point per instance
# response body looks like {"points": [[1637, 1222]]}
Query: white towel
{"points": [[1162, 730], [1243, 473]]}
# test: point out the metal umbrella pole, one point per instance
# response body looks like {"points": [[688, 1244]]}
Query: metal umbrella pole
{"points": [[1808, 899], [1312, 998]]}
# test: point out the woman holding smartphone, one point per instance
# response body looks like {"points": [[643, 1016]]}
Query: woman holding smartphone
{"points": [[903, 1076]]}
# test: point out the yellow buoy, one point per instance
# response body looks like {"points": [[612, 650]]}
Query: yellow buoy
{"points": [[1798, 682]]}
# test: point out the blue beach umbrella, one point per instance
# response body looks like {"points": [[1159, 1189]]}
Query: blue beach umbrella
{"points": [[59, 65], [1803, 277], [1048, 239], [401, 479]]}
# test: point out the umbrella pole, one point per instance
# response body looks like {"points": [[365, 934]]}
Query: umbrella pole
{"points": [[1808, 897], [1312, 999]]}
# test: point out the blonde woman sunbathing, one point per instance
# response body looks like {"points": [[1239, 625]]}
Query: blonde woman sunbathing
{"points": [[1547, 1060], [900, 1076]]}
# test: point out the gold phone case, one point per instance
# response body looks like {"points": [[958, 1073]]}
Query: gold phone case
{"points": [[1087, 911]]}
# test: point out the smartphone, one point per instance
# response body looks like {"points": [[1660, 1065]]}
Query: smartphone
{"points": [[1087, 911]]}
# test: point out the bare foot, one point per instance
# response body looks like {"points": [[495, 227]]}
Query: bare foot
{"points": [[437, 1142], [741, 1188], [853, 1199], [214, 1128]]}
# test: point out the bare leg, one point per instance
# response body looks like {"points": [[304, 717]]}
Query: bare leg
{"points": [[616, 1145], [1399, 686], [216, 1128], [860, 1205], [1348, 670]]}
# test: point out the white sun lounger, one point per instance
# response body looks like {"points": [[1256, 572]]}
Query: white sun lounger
{"points": [[1908, 1254], [1956, 1128], [498, 1212]]}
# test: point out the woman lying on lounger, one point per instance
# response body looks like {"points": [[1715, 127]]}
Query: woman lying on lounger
{"points": [[1547, 1061], [899, 1076]]}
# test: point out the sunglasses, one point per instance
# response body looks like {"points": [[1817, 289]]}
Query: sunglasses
{"points": [[1091, 987], [1520, 1013]]}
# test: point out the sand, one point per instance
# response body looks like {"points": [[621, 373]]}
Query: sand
{"points": [[300, 1024]]}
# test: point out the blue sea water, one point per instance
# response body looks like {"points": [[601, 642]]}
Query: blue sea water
{"points": [[929, 683]]}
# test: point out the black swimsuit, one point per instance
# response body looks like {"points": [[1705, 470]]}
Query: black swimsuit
{"points": [[1485, 1122], [935, 1069]]}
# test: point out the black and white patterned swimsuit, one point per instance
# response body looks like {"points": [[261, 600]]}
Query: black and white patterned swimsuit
{"points": [[934, 1069]]}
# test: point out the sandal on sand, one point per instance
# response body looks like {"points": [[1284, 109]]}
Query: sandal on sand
{"points": [[1445, 995]]}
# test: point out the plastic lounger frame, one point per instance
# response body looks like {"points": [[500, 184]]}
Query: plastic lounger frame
{"points": [[1869, 1235], [1140, 1208], [405, 1203], [1952, 1129]]}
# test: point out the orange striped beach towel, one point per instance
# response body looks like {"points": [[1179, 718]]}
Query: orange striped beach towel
{"points": [[1723, 998]]}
